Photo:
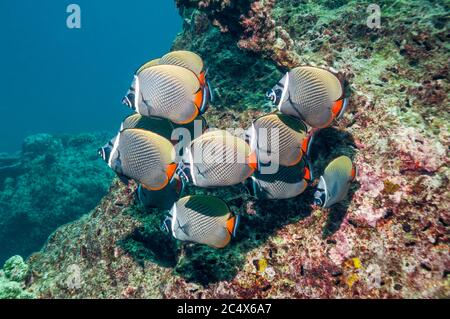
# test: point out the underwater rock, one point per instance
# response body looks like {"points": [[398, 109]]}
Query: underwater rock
{"points": [[231, 71], [54, 180], [359, 248], [252, 23], [13, 290], [41, 144], [15, 269], [12, 279], [10, 166]]}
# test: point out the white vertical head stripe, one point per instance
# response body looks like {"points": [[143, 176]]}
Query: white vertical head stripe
{"points": [[325, 190], [114, 150], [174, 218], [137, 92], [285, 89], [253, 143], [191, 165]]}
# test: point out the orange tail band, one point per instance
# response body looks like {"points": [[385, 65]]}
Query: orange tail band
{"points": [[354, 172], [253, 160], [307, 174], [170, 171], [230, 224], [337, 108]]}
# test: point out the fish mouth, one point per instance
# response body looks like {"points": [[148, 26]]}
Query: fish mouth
{"points": [[184, 172], [166, 225], [274, 96], [105, 151], [127, 101], [101, 152], [318, 200]]}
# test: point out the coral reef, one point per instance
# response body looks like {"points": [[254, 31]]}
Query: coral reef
{"points": [[252, 21], [54, 180], [12, 279], [390, 239], [228, 66], [15, 269]]}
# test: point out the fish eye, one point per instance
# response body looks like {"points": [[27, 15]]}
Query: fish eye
{"points": [[100, 152]]}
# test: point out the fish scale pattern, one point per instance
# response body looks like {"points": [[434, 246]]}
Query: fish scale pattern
{"points": [[336, 174], [184, 59], [203, 222], [222, 162], [310, 94], [287, 144], [141, 159], [157, 125], [287, 182], [169, 86], [167, 95]]}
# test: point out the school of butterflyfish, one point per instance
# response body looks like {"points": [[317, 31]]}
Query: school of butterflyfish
{"points": [[166, 144]]}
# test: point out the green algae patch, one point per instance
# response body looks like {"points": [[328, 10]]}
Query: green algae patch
{"points": [[13, 290], [12, 278], [15, 269]]}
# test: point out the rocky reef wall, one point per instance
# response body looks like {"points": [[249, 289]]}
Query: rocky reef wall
{"points": [[52, 181], [389, 240]]}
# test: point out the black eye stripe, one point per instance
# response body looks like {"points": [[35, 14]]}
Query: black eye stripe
{"points": [[280, 84]]}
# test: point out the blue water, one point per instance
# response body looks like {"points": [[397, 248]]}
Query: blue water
{"points": [[57, 80]]}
